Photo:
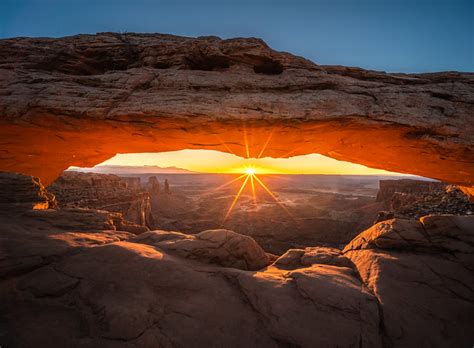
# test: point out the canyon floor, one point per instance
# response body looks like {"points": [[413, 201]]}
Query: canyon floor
{"points": [[75, 277], [306, 210]]}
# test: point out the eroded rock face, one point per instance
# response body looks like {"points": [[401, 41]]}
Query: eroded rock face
{"points": [[416, 198], [80, 100], [83, 219], [104, 192], [22, 192], [446, 233], [422, 273]]}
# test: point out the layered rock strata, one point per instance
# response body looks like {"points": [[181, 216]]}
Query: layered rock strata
{"points": [[104, 192], [413, 199]]}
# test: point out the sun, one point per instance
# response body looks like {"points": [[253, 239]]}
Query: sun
{"points": [[249, 174], [250, 171]]}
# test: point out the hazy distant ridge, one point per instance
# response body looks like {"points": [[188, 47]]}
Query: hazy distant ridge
{"points": [[118, 169]]}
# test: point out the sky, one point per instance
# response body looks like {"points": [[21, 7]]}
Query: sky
{"points": [[210, 161], [388, 35]]}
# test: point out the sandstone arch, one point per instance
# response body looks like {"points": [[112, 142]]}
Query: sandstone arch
{"points": [[80, 100]]}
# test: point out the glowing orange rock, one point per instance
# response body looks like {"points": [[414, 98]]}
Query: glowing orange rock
{"points": [[80, 100]]}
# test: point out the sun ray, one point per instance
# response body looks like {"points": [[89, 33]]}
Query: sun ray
{"points": [[266, 188], [277, 176], [228, 183], [266, 144], [247, 150], [273, 196], [253, 189], [237, 197], [224, 144]]}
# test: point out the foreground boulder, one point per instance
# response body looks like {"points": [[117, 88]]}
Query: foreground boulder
{"points": [[298, 258], [444, 233], [222, 247], [422, 273]]}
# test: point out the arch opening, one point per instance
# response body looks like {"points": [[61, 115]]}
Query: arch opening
{"points": [[283, 203]]}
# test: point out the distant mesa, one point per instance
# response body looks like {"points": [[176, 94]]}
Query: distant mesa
{"points": [[118, 169]]}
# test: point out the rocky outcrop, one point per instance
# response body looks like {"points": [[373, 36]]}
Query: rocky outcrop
{"points": [[444, 233], [422, 273], [416, 198], [24, 192], [83, 219], [300, 258], [153, 185], [81, 99], [104, 192], [387, 188], [222, 247]]}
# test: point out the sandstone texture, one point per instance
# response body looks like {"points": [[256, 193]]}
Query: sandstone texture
{"points": [[401, 283], [422, 274], [79, 100], [104, 192], [300, 258], [24, 192], [223, 247]]}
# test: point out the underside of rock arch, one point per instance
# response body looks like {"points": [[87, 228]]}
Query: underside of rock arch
{"points": [[80, 100]]}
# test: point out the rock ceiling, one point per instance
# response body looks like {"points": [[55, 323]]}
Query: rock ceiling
{"points": [[79, 100]]}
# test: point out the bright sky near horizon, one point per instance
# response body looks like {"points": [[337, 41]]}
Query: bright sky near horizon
{"points": [[210, 161]]}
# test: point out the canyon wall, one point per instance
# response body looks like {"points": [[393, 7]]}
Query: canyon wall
{"points": [[104, 192], [79, 100], [412, 199]]}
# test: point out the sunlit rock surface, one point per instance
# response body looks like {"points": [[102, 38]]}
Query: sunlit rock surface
{"points": [[222, 247], [80, 100]]}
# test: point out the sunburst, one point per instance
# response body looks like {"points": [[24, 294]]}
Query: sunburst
{"points": [[249, 174]]}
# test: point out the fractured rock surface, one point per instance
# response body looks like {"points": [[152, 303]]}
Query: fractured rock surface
{"points": [[422, 273]]}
